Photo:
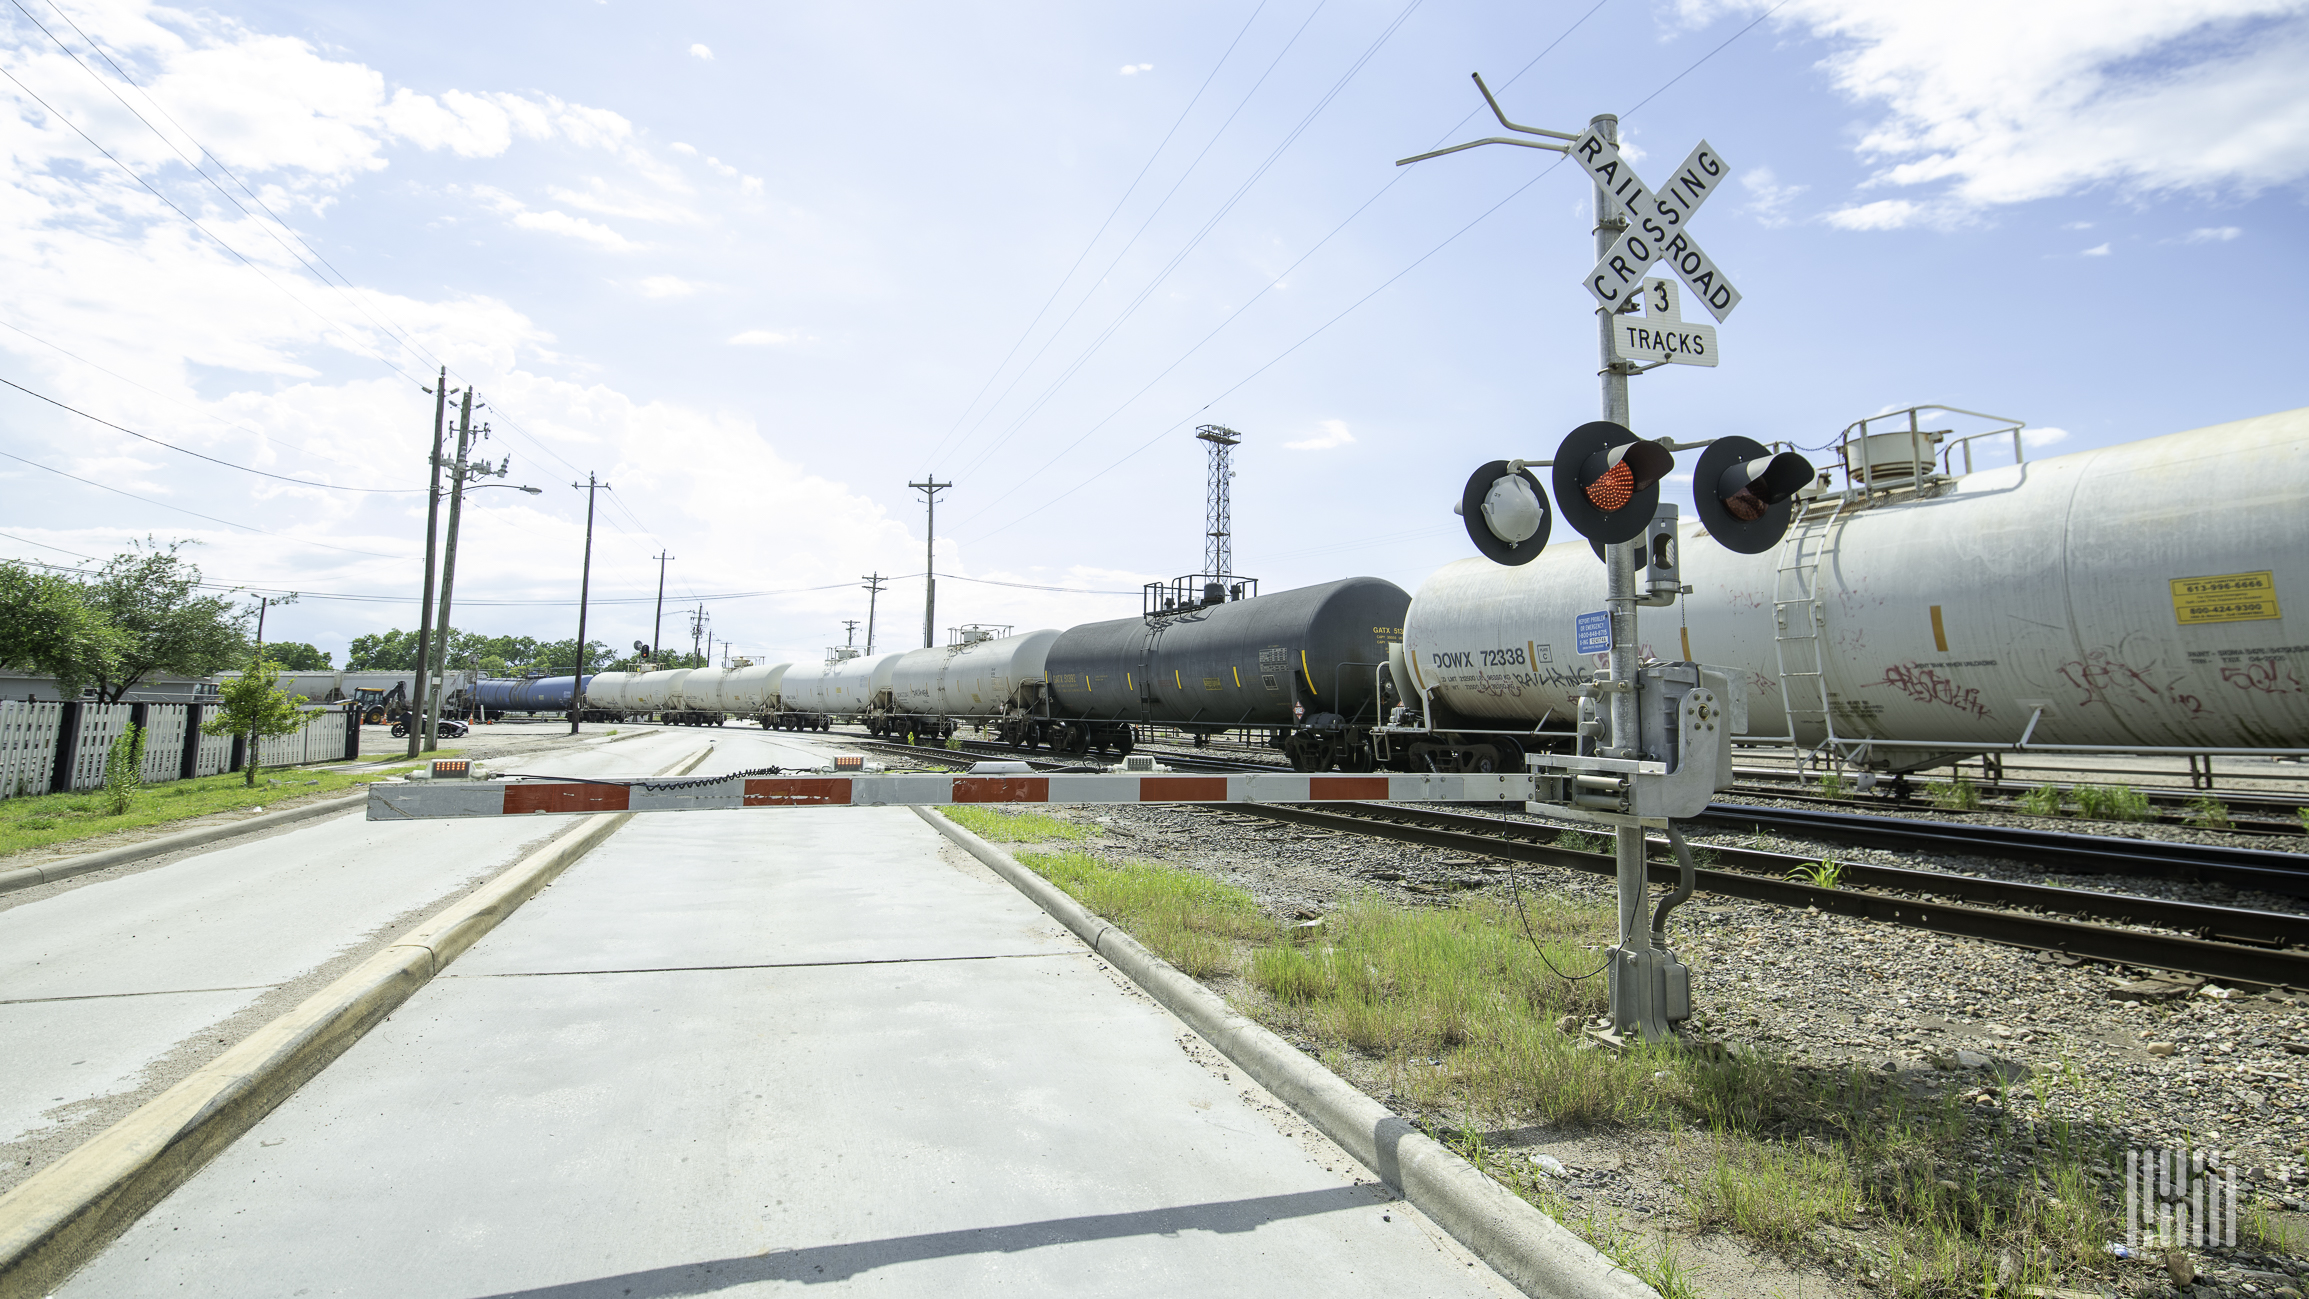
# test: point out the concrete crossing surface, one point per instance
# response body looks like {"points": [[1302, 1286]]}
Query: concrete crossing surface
{"points": [[735, 1052]]}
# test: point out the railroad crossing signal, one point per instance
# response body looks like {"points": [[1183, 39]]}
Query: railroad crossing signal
{"points": [[1656, 226]]}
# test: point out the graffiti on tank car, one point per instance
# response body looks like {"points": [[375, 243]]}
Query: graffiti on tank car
{"points": [[1926, 686], [1744, 599], [1762, 685], [2190, 704], [2265, 676], [2103, 678]]}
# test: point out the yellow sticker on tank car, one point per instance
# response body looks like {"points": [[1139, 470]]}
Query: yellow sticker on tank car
{"points": [[2234, 597]]}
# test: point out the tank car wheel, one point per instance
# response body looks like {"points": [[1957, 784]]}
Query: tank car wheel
{"points": [[1078, 740], [1123, 742]]}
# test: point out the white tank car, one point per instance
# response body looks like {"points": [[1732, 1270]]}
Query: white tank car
{"points": [[843, 689], [2151, 594], [980, 679], [610, 691], [698, 691], [653, 692], [752, 691]]}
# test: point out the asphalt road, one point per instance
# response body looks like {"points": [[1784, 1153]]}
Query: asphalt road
{"points": [[735, 1051]]}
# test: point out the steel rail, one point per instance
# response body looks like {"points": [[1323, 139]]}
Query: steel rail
{"points": [[2232, 962], [1866, 806], [2252, 868]]}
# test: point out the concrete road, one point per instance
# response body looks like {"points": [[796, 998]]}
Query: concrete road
{"points": [[739, 1051], [111, 988]]}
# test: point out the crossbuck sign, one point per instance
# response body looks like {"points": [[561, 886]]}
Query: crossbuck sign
{"points": [[1657, 225]]}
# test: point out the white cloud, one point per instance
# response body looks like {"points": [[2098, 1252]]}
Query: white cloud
{"points": [[2043, 437], [1883, 214], [559, 223], [667, 286], [1334, 434], [722, 167], [1768, 200], [701, 52], [2068, 95], [690, 149], [771, 337], [605, 198], [2078, 225], [2213, 234], [2100, 251], [750, 185], [1133, 69]]}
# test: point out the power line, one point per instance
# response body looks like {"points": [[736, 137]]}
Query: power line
{"points": [[1351, 307], [1050, 461], [1129, 244], [195, 454], [195, 513], [245, 428], [1128, 190]]}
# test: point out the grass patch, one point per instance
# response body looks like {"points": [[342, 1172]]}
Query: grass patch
{"points": [[1191, 920], [1015, 827], [2208, 813], [1958, 795], [37, 821], [1833, 785], [1824, 873], [2044, 800], [2112, 803]]}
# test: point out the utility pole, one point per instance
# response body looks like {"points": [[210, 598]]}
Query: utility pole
{"points": [[250, 745], [1218, 513], [930, 492], [657, 625], [440, 654], [432, 519], [873, 583], [590, 486], [850, 631], [698, 621]]}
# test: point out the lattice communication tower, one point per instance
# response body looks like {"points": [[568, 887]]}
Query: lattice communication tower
{"points": [[1218, 523]]}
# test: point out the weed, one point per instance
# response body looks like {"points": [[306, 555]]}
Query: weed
{"points": [[1188, 919], [2112, 803], [1655, 1264], [2302, 814], [2044, 800], [1958, 795], [1015, 827], [2208, 813], [1770, 1192], [1823, 873], [954, 743], [124, 770], [1575, 841], [1832, 785]]}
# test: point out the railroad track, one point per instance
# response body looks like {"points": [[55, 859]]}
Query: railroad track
{"points": [[2244, 868], [2233, 945], [2272, 826]]}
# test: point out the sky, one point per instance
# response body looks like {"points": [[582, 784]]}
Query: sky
{"points": [[759, 268]]}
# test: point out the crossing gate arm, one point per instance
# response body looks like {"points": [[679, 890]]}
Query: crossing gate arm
{"points": [[440, 799]]}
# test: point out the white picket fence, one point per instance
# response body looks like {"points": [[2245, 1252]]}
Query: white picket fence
{"points": [[27, 746], [29, 733]]}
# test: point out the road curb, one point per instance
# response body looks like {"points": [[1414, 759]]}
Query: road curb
{"points": [[24, 877], [1533, 1251], [69, 1211]]}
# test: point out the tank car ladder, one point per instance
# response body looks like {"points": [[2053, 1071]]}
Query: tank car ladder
{"points": [[1799, 623]]}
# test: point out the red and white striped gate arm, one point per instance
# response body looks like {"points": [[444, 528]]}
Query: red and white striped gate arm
{"points": [[430, 799]]}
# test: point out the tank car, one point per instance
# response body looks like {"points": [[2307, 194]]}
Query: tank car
{"points": [[995, 679], [502, 695], [695, 698], [843, 689], [753, 691], [1302, 664], [2149, 595]]}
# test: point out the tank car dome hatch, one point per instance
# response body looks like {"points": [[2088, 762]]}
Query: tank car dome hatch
{"points": [[1607, 480], [1506, 512]]}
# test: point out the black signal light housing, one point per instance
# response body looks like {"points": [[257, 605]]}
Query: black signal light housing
{"points": [[1607, 481], [1746, 494]]}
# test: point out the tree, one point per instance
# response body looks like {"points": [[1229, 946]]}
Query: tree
{"points": [[297, 656], [250, 705], [148, 594], [48, 626], [388, 651]]}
